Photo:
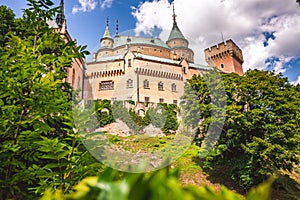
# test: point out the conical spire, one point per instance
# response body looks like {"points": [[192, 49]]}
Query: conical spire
{"points": [[60, 18], [107, 32], [175, 32]]}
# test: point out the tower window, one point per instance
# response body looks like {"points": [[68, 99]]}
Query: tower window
{"points": [[160, 86], [173, 86], [129, 62], [129, 83], [146, 84], [184, 70], [222, 66]]}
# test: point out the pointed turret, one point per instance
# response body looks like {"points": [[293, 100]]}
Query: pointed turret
{"points": [[175, 32], [178, 44], [106, 40], [60, 18]]}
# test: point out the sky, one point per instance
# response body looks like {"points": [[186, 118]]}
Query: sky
{"points": [[268, 32]]}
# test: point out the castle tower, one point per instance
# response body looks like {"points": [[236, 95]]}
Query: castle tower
{"points": [[60, 18], [106, 41], [178, 43], [226, 56]]}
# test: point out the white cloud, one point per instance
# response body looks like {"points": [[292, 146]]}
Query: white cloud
{"points": [[297, 81], [106, 4], [85, 5], [243, 21]]}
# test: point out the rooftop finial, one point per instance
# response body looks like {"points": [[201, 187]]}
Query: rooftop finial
{"points": [[174, 15], [117, 28], [107, 21]]}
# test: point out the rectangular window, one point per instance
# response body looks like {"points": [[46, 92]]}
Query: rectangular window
{"points": [[106, 85], [146, 84], [147, 99], [129, 62], [161, 100], [175, 102]]}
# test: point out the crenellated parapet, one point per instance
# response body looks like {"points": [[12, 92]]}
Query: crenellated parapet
{"points": [[228, 48]]}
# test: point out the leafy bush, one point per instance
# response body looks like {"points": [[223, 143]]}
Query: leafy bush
{"points": [[261, 129], [162, 184], [39, 148]]}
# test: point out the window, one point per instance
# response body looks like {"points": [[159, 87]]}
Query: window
{"points": [[113, 99], [129, 83], [160, 86], [146, 84], [78, 84], [147, 99], [106, 85], [73, 77], [161, 100], [129, 62], [222, 66], [184, 70], [175, 102], [173, 86]]}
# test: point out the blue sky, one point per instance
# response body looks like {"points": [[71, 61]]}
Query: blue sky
{"points": [[268, 33]]}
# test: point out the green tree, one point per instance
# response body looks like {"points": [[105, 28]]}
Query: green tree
{"points": [[261, 130], [7, 19], [104, 112], [38, 146]]}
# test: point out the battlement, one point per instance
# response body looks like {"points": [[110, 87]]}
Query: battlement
{"points": [[224, 49]]}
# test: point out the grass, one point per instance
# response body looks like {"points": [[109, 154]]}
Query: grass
{"points": [[287, 186]]}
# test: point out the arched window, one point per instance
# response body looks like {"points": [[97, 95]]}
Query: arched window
{"points": [[79, 82], [160, 86], [173, 86], [222, 66], [129, 83], [73, 77], [146, 84]]}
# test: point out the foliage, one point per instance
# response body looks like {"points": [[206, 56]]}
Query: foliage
{"points": [[162, 184], [104, 112], [7, 23], [261, 130], [161, 116], [38, 146]]}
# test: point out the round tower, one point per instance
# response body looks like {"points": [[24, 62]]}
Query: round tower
{"points": [[106, 41], [178, 44]]}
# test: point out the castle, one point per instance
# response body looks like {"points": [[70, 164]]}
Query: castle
{"points": [[146, 69]]}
